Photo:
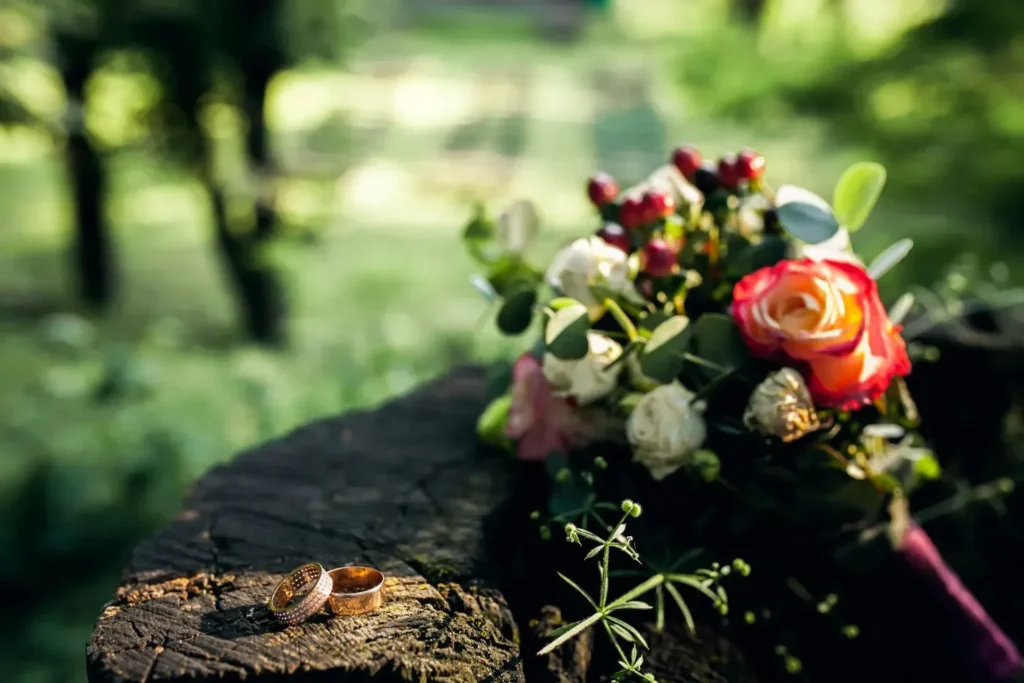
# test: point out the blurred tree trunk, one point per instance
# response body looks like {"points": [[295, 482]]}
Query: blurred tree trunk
{"points": [[257, 54], [244, 33], [748, 11], [92, 251]]}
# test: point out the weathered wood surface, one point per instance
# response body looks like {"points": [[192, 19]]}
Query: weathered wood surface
{"points": [[403, 488]]}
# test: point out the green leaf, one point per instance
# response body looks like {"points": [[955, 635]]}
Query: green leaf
{"points": [[718, 342], [805, 215], [900, 309], [651, 321], [634, 604], [491, 425], [577, 628], [516, 311], [888, 259], [511, 273], [484, 286], [565, 335], [626, 631], [683, 607], [857, 192], [662, 358]]}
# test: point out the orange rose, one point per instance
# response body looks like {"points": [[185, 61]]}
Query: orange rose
{"points": [[827, 317]]}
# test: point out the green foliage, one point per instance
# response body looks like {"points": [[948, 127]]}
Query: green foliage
{"points": [[609, 612], [664, 353], [516, 312], [856, 193], [565, 335], [889, 258], [804, 215]]}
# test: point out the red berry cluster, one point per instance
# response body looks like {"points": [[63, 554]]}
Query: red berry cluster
{"points": [[731, 171], [636, 211]]}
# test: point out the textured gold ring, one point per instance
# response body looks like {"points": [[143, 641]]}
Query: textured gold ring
{"points": [[356, 590], [311, 584]]}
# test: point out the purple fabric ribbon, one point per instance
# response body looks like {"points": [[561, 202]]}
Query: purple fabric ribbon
{"points": [[988, 653]]}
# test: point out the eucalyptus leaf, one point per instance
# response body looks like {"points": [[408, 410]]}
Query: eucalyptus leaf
{"points": [[900, 309], [888, 259], [718, 342], [856, 193], [663, 356], [651, 321], [484, 286], [510, 273], [805, 215], [518, 226], [516, 311], [565, 335]]}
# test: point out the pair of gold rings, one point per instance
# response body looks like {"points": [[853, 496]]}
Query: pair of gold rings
{"points": [[346, 590]]}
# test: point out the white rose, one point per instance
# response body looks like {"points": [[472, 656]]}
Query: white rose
{"points": [[590, 261], [665, 430], [589, 378], [835, 248]]}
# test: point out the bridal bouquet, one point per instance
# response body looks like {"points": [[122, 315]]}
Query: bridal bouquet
{"points": [[725, 335]]}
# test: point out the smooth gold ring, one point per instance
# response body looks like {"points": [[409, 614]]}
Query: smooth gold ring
{"points": [[355, 590], [311, 583]]}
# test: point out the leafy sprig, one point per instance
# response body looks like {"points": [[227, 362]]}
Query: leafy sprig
{"points": [[607, 611]]}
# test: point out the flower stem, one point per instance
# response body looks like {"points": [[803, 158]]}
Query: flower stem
{"points": [[621, 318]]}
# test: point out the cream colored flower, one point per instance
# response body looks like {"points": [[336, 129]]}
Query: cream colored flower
{"points": [[590, 261], [781, 407], [665, 429], [590, 378]]}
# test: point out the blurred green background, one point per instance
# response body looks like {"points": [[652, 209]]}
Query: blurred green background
{"points": [[221, 220]]}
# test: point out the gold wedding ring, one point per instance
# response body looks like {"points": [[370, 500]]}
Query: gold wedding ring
{"points": [[311, 584], [355, 590]]}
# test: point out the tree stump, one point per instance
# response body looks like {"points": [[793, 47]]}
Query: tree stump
{"points": [[403, 488]]}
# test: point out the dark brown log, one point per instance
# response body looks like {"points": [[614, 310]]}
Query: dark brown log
{"points": [[403, 488]]}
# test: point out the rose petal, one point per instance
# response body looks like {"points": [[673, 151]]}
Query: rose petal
{"points": [[826, 316]]}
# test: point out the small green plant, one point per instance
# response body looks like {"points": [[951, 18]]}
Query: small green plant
{"points": [[705, 581]]}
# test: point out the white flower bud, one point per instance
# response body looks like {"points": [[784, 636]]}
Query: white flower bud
{"points": [[590, 261], [781, 406], [665, 429], [590, 378]]}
